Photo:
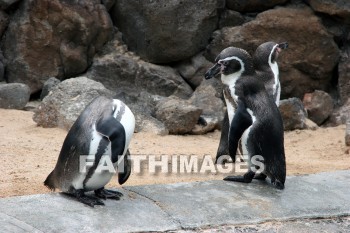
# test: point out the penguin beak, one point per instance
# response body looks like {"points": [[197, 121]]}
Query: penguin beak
{"points": [[213, 71], [281, 46], [125, 164]]}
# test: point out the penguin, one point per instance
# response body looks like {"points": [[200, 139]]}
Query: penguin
{"points": [[104, 128], [266, 67], [253, 117]]}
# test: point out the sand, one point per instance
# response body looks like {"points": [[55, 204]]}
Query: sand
{"points": [[28, 153]]}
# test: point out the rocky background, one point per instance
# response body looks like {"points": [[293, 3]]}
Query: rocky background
{"points": [[153, 54]]}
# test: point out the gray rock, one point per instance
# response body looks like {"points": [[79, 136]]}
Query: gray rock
{"points": [[192, 70], [67, 100], [309, 124], [48, 85], [205, 98], [344, 76], [4, 4], [177, 116], [108, 3], [230, 19], [338, 9], [304, 66], [339, 115], [293, 114], [252, 5], [2, 67], [120, 70], [143, 106], [14, 95], [163, 32], [162, 80], [319, 106], [347, 133], [53, 38]]}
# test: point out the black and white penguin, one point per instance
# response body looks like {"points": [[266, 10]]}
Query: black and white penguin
{"points": [[104, 128], [253, 116], [266, 67]]}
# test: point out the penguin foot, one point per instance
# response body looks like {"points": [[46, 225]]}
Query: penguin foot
{"points": [[246, 178], [87, 200], [106, 193], [278, 184], [260, 176], [241, 179], [90, 201]]}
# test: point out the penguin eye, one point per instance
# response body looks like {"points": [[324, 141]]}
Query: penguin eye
{"points": [[223, 62]]}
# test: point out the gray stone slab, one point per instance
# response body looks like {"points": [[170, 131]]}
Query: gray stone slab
{"points": [[59, 213], [216, 203], [182, 206]]}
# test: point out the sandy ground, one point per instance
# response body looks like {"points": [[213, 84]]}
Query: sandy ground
{"points": [[28, 153]]}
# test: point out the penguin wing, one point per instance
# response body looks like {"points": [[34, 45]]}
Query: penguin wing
{"points": [[240, 122], [112, 129]]}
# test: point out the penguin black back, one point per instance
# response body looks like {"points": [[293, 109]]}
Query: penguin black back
{"points": [[256, 120], [104, 128]]}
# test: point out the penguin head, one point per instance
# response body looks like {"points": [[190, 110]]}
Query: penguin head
{"points": [[231, 62], [267, 53]]}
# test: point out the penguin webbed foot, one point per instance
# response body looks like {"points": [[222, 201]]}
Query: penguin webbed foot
{"points": [[246, 178], [87, 200], [278, 184], [107, 193], [260, 176]]}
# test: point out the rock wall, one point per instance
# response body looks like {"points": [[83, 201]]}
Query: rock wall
{"points": [[161, 49]]}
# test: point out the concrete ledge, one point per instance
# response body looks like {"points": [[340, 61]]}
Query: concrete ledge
{"points": [[182, 206]]}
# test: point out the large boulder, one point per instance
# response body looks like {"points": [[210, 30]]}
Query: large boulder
{"points": [[344, 76], [252, 5], [67, 100], [177, 115], [206, 98], [119, 70], [48, 86], [192, 70], [166, 31], [4, 4], [53, 38], [340, 115], [14, 95], [230, 18], [304, 67], [347, 133], [143, 106], [319, 106], [293, 114], [339, 9]]}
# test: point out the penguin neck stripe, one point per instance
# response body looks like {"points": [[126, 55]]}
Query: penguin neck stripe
{"points": [[270, 56]]}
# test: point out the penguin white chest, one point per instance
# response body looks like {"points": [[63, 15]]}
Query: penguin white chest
{"points": [[230, 81], [276, 85]]}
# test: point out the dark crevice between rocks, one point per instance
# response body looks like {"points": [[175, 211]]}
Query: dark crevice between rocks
{"points": [[333, 87], [35, 96]]}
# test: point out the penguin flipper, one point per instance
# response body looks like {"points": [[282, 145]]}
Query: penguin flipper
{"points": [[223, 145], [240, 122], [115, 132]]}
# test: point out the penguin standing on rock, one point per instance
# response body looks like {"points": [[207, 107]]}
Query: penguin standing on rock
{"points": [[104, 128], [266, 68], [253, 116]]}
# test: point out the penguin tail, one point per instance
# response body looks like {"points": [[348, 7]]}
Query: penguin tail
{"points": [[49, 182]]}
